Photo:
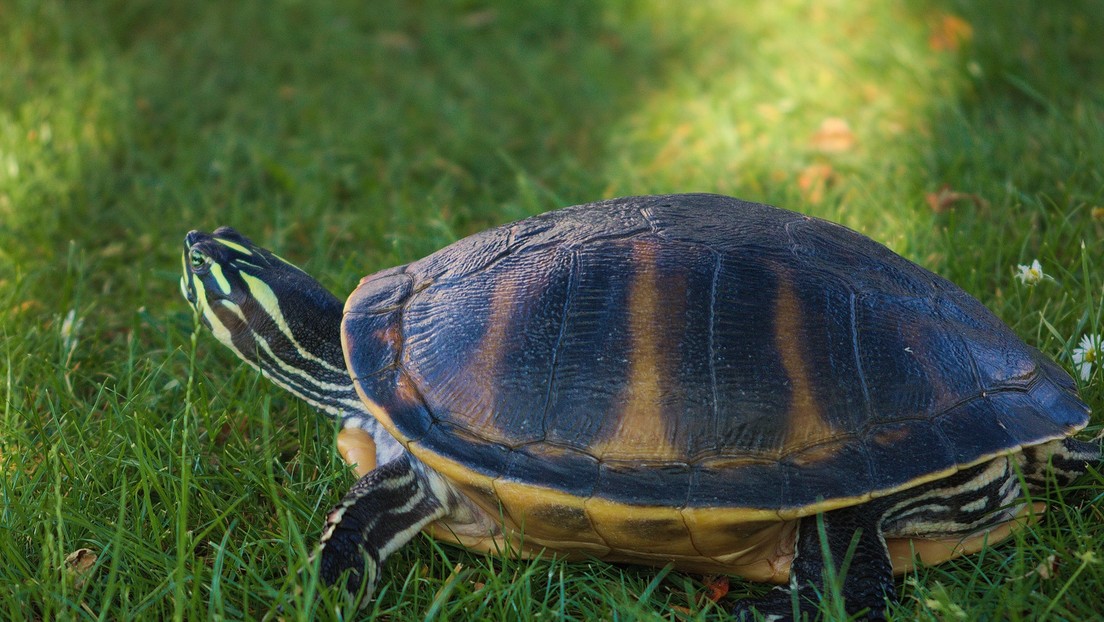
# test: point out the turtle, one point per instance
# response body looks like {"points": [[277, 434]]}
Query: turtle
{"points": [[695, 380]]}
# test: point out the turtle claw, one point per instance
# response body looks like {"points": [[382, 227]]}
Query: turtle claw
{"points": [[776, 606], [779, 606]]}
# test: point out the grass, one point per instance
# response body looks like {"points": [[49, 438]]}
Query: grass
{"points": [[350, 138]]}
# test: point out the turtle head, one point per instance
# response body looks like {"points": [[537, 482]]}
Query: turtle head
{"points": [[270, 313]]}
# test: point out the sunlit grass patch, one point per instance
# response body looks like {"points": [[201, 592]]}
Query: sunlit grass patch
{"points": [[824, 106]]}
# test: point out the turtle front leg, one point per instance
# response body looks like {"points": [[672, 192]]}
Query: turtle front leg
{"points": [[379, 514], [867, 582]]}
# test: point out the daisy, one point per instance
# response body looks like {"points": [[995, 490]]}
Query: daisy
{"points": [[1087, 354], [1031, 275]]}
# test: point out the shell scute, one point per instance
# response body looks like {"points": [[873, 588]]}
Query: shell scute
{"points": [[567, 470], [890, 465], [390, 394], [637, 484], [465, 348], [976, 428], [762, 482], [569, 521], [592, 354], [371, 331], [1055, 398], [904, 338], [842, 466]]}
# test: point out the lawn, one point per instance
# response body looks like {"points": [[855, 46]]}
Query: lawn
{"points": [[350, 136]]}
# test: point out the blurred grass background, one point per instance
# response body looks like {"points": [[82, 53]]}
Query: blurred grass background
{"points": [[350, 137]]}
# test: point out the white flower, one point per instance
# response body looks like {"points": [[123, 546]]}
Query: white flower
{"points": [[1087, 354], [1031, 275], [70, 327], [1088, 557]]}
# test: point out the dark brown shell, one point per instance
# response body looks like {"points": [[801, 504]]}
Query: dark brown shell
{"points": [[695, 351]]}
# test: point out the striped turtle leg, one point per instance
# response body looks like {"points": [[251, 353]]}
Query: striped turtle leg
{"points": [[852, 536], [380, 513]]}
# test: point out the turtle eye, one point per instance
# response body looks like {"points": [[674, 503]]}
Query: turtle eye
{"points": [[198, 259]]}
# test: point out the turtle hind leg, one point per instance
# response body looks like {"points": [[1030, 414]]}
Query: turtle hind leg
{"points": [[860, 562], [379, 514]]}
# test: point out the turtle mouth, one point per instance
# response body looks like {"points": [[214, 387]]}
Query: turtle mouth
{"points": [[187, 291], [187, 278]]}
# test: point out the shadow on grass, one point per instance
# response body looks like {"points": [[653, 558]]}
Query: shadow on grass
{"points": [[383, 130]]}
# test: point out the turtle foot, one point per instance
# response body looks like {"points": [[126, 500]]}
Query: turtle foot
{"points": [[777, 606], [780, 606]]}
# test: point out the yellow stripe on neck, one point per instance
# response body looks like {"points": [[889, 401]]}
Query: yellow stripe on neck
{"points": [[220, 330], [267, 299], [220, 278]]}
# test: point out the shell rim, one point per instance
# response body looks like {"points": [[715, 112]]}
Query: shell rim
{"points": [[457, 472]]}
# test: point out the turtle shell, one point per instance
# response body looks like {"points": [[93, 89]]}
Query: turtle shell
{"points": [[692, 351]]}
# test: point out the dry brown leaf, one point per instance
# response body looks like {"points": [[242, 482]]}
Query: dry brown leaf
{"points": [[78, 565], [1047, 567], [716, 586], [25, 306], [834, 136], [945, 198], [814, 181], [1044, 570], [949, 33]]}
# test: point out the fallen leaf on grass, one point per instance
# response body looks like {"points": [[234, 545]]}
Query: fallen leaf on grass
{"points": [[25, 306], [716, 586], [1044, 570], [949, 33], [834, 136], [78, 565], [945, 198], [814, 181]]}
